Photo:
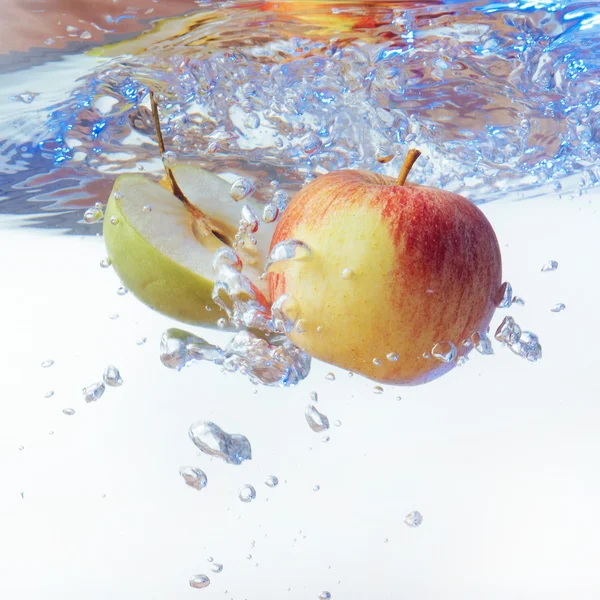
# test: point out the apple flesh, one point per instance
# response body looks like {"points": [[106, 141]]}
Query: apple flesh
{"points": [[395, 271], [162, 249]]}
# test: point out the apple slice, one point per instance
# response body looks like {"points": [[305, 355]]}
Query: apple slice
{"points": [[162, 248]]}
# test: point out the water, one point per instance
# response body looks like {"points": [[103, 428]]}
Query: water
{"points": [[502, 99]]}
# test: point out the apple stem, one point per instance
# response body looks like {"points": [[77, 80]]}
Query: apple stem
{"points": [[161, 146], [409, 161]]}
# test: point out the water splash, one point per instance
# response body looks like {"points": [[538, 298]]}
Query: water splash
{"points": [[499, 95]]}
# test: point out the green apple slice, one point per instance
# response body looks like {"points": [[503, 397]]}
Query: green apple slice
{"points": [[162, 249]]}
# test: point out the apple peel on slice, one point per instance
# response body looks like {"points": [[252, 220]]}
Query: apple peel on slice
{"points": [[162, 248]]}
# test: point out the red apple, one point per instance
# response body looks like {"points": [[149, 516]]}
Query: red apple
{"points": [[400, 279]]}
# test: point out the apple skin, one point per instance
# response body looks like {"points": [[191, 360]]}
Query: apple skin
{"points": [[427, 268]]}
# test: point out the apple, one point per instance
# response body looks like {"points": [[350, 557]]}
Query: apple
{"points": [[161, 239], [400, 280]]}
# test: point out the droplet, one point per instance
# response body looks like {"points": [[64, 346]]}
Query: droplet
{"points": [[325, 439], [316, 420], [47, 363], [385, 540], [316, 488], [92, 215], [69, 411], [330, 377], [249, 557], [212, 440], [210, 559], [93, 392], [337, 423], [49, 394], [249, 219], [347, 274], [377, 362], [272, 481], [141, 341], [551, 265], [286, 253], [413, 519], [112, 377], [222, 323], [383, 155], [147, 208], [242, 188], [270, 213], [378, 389], [114, 220], [105, 263], [216, 567], [444, 351], [314, 397], [324, 596], [392, 356], [113, 316], [247, 493], [199, 581], [169, 158], [226, 257], [558, 308], [505, 296], [398, 398], [121, 291], [310, 143], [194, 477]]}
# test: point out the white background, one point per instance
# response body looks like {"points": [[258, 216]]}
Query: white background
{"points": [[500, 456]]}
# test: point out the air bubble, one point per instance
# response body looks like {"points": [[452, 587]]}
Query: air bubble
{"points": [[285, 254], [242, 188], [444, 351], [413, 519], [551, 265], [199, 581], [105, 263], [249, 219], [47, 363], [270, 213], [247, 493], [383, 155], [121, 291], [114, 220], [392, 356], [69, 411], [347, 274], [93, 392], [169, 158], [272, 481], [330, 377], [194, 477], [378, 389], [93, 215], [112, 377], [316, 421], [505, 296], [212, 440], [558, 307]]}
